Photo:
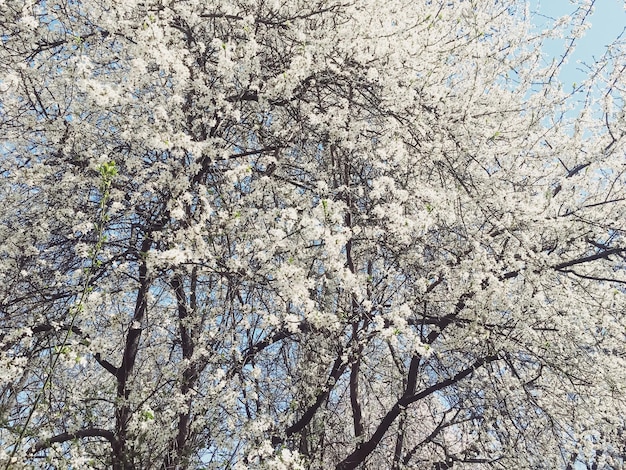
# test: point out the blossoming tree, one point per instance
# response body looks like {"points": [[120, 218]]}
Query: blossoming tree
{"points": [[307, 234]]}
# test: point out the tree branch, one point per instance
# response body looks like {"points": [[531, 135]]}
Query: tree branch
{"points": [[68, 436], [337, 371], [586, 259], [361, 453]]}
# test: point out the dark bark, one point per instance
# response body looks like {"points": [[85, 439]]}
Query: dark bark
{"points": [[123, 411], [188, 334], [357, 416], [397, 453]]}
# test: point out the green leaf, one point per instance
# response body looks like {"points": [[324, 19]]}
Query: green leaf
{"points": [[108, 170]]}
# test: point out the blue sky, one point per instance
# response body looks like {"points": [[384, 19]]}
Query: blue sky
{"points": [[608, 22]]}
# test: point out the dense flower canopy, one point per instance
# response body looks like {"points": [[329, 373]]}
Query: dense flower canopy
{"points": [[308, 234]]}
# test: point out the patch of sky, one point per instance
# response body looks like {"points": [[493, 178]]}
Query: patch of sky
{"points": [[605, 24]]}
